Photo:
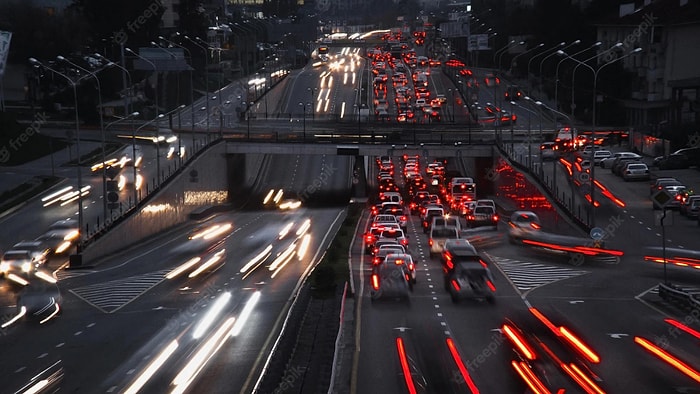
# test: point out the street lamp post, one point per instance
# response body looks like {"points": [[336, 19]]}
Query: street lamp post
{"points": [[573, 73], [76, 259], [133, 147], [552, 54], [206, 78], [313, 111], [102, 131], [556, 75], [189, 53], [529, 132], [513, 62], [303, 117], [533, 57], [595, 85], [501, 51]]}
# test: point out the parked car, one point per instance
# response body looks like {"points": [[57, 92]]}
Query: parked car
{"points": [[690, 207], [600, 155], [608, 163], [621, 162], [635, 172], [674, 191], [674, 161], [660, 183]]}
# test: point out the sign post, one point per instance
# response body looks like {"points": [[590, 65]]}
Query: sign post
{"points": [[662, 198]]}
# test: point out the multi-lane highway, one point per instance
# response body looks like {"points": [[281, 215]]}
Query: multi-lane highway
{"points": [[127, 324]]}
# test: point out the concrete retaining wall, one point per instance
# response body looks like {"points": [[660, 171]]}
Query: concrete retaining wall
{"points": [[203, 182]]}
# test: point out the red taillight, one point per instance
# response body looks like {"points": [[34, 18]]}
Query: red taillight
{"points": [[495, 218], [376, 261], [411, 267], [491, 285], [375, 281], [404, 242], [430, 242], [398, 261], [535, 226], [455, 285]]}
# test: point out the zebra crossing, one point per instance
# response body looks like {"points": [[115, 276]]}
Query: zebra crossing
{"points": [[64, 274], [111, 296], [527, 276]]}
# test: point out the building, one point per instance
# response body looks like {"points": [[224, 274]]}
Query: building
{"points": [[666, 94]]}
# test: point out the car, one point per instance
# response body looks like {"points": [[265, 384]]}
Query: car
{"points": [[692, 157], [438, 236], [588, 150], [24, 258], [420, 103], [661, 183], [608, 163], [549, 151], [635, 172], [39, 302], [60, 236], [383, 218], [513, 93], [395, 235], [405, 260], [486, 203], [447, 221], [521, 224], [427, 218], [483, 216], [465, 273], [675, 191], [674, 161], [600, 155], [690, 207], [385, 250], [621, 162], [389, 281]]}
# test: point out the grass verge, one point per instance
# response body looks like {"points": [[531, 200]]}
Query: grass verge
{"points": [[38, 184], [333, 269]]}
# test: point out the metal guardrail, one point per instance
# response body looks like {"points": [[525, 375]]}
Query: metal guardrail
{"points": [[678, 296], [338, 339]]}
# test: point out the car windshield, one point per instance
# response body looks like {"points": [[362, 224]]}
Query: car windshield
{"points": [[444, 233], [483, 210], [16, 255], [637, 167], [392, 234]]}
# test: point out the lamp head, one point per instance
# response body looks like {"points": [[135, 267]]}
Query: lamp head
{"points": [[135, 114], [521, 43], [527, 98], [513, 103], [161, 38], [637, 50], [128, 50], [561, 44], [561, 53], [597, 44], [181, 106], [541, 45], [538, 102], [619, 44], [61, 58], [576, 42], [160, 116], [153, 43]]}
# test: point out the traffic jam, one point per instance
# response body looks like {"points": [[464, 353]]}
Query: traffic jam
{"points": [[414, 197]]}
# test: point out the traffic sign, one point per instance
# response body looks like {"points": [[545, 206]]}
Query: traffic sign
{"points": [[662, 198], [597, 233]]}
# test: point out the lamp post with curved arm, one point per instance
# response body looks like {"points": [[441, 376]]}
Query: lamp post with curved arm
{"points": [[206, 78], [221, 77], [556, 74], [75, 260], [596, 71], [513, 62], [504, 50], [529, 132], [127, 104], [573, 73], [533, 57], [102, 130], [133, 147]]}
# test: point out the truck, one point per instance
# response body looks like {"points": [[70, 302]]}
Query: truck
{"points": [[461, 189]]}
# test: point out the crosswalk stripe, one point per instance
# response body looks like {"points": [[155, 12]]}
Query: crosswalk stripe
{"points": [[527, 276], [114, 295]]}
